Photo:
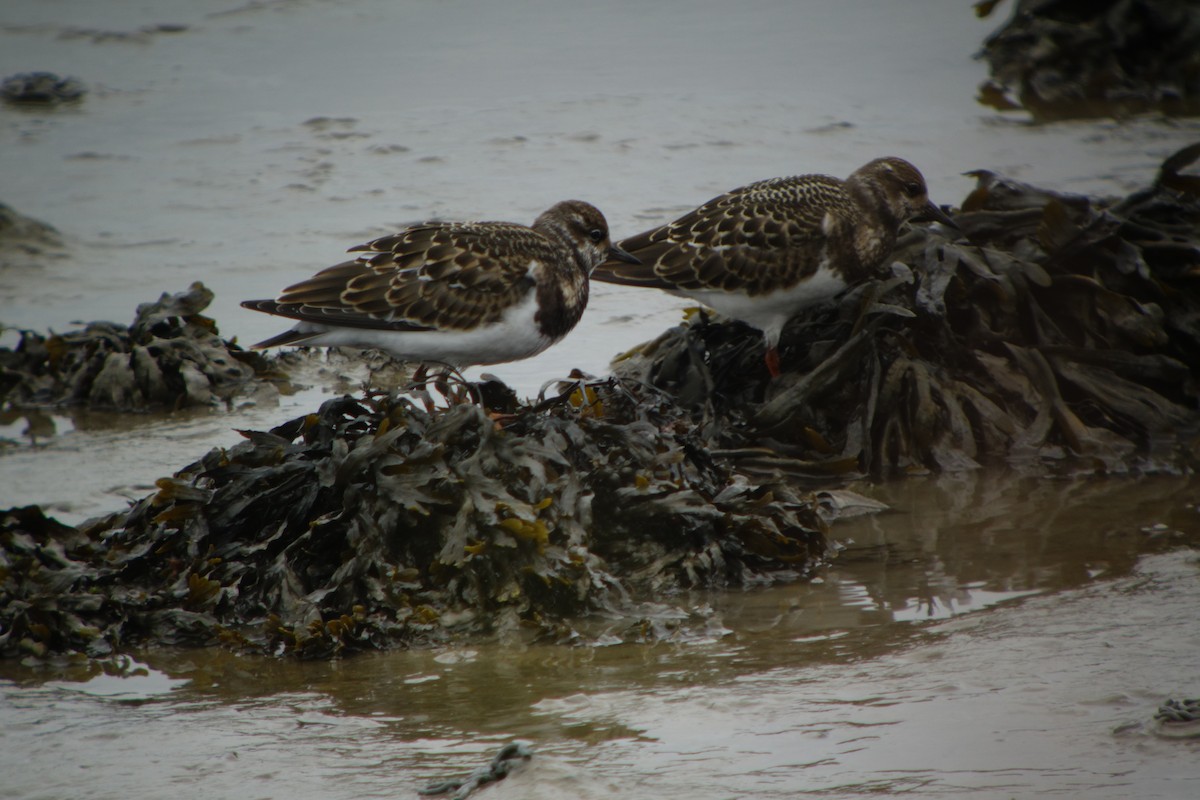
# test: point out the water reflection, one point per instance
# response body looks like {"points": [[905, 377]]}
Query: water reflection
{"points": [[967, 543], [122, 679], [31, 426]]}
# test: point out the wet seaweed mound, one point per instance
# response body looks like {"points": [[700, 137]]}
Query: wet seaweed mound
{"points": [[1056, 332], [170, 357], [382, 522], [1094, 58]]}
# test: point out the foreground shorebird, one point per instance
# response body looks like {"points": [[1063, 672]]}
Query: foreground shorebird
{"points": [[763, 252], [459, 293]]}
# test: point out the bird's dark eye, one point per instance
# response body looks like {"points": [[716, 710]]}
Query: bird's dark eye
{"points": [[913, 189], [596, 235]]}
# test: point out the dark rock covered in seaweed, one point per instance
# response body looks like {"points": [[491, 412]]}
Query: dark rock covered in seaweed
{"points": [[1057, 330], [171, 356], [377, 523], [1095, 58]]}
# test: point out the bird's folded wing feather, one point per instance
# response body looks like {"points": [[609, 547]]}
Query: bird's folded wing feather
{"points": [[436, 276], [754, 239]]}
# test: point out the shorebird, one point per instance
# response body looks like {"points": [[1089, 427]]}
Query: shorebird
{"points": [[458, 293], [763, 252]]}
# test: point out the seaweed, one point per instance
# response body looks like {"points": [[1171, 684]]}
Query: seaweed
{"points": [[379, 522], [1063, 59], [171, 356]]}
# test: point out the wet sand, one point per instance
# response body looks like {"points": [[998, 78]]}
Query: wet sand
{"points": [[254, 145]]}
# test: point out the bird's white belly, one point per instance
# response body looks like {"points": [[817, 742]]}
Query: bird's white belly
{"points": [[770, 312], [514, 337]]}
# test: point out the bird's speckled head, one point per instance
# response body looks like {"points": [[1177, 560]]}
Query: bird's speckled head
{"points": [[582, 232], [583, 229], [898, 189]]}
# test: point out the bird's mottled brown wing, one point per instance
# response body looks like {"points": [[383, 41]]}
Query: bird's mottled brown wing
{"points": [[435, 276], [755, 239]]}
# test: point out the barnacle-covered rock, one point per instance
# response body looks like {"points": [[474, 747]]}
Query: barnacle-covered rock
{"points": [[1055, 330], [171, 356], [1094, 58], [378, 523], [41, 88], [1178, 719]]}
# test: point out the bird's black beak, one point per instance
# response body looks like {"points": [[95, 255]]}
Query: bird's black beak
{"points": [[617, 254], [934, 213]]}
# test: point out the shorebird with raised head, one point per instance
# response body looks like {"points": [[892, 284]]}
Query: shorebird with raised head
{"points": [[457, 293], [765, 251]]}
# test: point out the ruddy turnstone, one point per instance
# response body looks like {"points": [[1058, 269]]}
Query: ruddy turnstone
{"points": [[764, 251], [459, 293]]}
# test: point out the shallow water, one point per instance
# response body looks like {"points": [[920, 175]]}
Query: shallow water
{"points": [[987, 637], [252, 147]]}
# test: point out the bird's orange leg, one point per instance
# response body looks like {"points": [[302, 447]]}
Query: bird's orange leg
{"points": [[772, 359]]}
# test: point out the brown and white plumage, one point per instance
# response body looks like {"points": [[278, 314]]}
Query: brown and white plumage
{"points": [[764, 251], [462, 293]]}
